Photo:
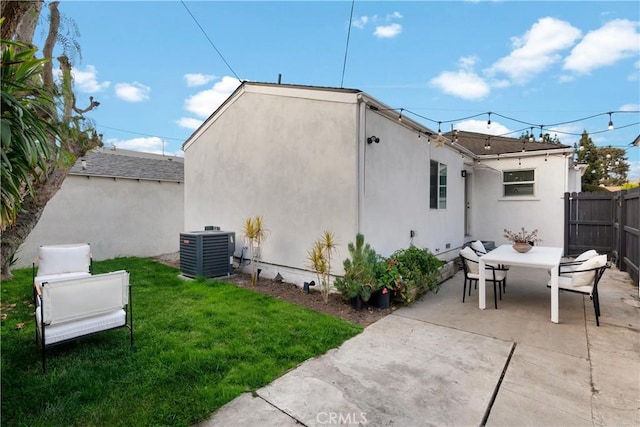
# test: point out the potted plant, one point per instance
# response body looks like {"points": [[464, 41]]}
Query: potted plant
{"points": [[522, 239], [359, 273], [389, 279]]}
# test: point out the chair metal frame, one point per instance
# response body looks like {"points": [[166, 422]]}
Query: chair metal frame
{"points": [[493, 279]]}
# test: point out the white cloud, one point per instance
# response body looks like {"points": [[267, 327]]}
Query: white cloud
{"points": [[87, 81], [630, 107], [189, 123], [536, 50], [394, 15], [151, 144], [462, 83], [388, 31], [132, 92], [206, 102], [607, 45], [480, 126], [360, 22], [198, 79]]}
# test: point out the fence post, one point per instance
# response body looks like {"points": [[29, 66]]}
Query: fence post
{"points": [[567, 218], [622, 221]]}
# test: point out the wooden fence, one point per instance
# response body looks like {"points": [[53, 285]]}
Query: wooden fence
{"points": [[606, 222]]}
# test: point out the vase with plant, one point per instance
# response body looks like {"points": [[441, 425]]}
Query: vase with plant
{"points": [[359, 272], [523, 240]]}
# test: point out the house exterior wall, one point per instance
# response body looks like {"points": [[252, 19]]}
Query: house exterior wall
{"points": [[118, 217], [290, 157], [491, 213], [396, 191]]}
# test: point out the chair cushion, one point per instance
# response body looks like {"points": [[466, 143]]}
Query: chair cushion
{"points": [[581, 277], [478, 247], [586, 255], [69, 330], [470, 254], [60, 259], [500, 275]]}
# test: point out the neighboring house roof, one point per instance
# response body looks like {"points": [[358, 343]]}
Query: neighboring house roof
{"points": [[112, 163], [476, 143]]}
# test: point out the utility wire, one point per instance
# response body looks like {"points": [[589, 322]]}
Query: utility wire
{"points": [[210, 42], [346, 49], [139, 133]]}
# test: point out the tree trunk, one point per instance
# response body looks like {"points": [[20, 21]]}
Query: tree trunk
{"points": [[32, 208], [73, 139], [12, 12], [27, 25]]}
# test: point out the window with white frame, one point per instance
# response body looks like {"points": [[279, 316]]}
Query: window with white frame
{"points": [[438, 185], [519, 183]]}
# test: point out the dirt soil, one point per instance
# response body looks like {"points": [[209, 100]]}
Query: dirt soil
{"points": [[289, 292]]}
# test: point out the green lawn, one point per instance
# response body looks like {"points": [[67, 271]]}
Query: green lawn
{"points": [[197, 345]]}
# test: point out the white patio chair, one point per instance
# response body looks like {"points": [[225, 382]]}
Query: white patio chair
{"points": [[584, 279], [471, 267]]}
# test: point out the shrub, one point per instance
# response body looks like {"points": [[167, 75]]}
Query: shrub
{"points": [[359, 271], [419, 271]]}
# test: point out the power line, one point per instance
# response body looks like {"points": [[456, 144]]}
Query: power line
{"points": [[346, 49], [139, 133], [210, 42]]}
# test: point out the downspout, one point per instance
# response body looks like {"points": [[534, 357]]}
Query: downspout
{"points": [[360, 161]]}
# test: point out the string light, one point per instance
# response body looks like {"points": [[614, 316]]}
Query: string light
{"points": [[541, 135], [610, 121], [489, 121], [400, 115], [439, 131]]}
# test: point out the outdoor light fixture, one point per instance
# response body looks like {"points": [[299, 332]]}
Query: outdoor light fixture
{"points": [[400, 115], [530, 136], [373, 139], [541, 135], [84, 164], [489, 121], [610, 121], [487, 144], [439, 130]]}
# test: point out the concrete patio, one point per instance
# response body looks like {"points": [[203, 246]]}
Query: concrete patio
{"points": [[442, 362]]}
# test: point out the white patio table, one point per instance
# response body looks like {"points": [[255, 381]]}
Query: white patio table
{"points": [[538, 257]]}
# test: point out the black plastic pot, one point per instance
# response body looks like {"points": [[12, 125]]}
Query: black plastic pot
{"points": [[357, 303]]}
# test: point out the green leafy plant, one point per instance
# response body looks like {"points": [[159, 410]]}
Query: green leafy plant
{"points": [[359, 271], [319, 257], [255, 234], [388, 274], [419, 270]]}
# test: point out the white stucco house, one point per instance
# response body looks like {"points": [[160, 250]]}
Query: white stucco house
{"points": [[309, 159], [123, 203]]}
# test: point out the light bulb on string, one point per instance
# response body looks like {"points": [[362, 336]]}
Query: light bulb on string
{"points": [[610, 121], [489, 121]]}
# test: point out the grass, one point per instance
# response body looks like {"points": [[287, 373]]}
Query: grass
{"points": [[198, 345]]}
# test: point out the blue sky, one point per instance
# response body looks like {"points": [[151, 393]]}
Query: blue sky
{"points": [[157, 76]]}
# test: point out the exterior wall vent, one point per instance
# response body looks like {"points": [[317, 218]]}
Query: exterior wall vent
{"points": [[207, 253]]}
